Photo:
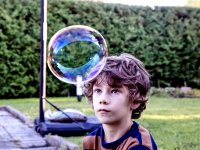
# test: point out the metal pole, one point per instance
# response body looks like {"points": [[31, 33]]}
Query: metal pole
{"points": [[43, 38]]}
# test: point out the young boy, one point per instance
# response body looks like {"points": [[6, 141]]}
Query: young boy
{"points": [[118, 95]]}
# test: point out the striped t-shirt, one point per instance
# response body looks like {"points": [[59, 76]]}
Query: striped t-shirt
{"points": [[137, 138]]}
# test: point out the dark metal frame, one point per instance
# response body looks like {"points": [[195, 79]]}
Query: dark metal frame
{"points": [[43, 126]]}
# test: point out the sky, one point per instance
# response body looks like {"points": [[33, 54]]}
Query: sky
{"points": [[150, 3]]}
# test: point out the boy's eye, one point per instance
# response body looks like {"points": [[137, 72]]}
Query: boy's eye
{"points": [[96, 90], [115, 91]]}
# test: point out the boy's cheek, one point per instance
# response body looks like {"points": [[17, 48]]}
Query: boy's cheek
{"points": [[92, 105], [94, 108]]}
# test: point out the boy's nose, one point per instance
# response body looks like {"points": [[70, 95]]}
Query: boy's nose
{"points": [[104, 99]]}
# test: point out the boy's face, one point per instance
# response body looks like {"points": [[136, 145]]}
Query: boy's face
{"points": [[111, 104]]}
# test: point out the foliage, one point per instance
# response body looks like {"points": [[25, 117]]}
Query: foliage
{"points": [[183, 92], [19, 48], [166, 39]]}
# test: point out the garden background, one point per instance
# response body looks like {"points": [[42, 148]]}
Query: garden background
{"points": [[166, 39]]}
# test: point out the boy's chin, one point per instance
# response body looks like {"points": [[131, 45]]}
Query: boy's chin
{"points": [[104, 120], [107, 121]]}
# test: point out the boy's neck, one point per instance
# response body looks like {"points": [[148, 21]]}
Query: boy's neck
{"points": [[114, 132]]}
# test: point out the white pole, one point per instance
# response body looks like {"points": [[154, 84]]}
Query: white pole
{"points": [[45, 51]]}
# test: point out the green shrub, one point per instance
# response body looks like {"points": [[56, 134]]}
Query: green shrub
{"points": [[175, 92], [166, 39]]}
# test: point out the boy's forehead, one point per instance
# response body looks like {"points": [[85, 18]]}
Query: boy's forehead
{"points": [[103, 80]]}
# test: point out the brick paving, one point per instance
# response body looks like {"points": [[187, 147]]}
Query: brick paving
{"points": [[16, 134]]}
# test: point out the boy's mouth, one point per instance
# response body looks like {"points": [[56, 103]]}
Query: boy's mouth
{"points": [[103, 110]]}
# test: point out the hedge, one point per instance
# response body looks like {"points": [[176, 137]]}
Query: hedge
{"points": [[166, 39]]}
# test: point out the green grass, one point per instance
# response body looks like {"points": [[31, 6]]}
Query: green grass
{"points": [[174, 123]]}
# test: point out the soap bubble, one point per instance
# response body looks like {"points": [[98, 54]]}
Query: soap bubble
{"points": [[76, 51]]}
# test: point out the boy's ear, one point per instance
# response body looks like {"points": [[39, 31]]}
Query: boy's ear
{"points": [[134, 105]]}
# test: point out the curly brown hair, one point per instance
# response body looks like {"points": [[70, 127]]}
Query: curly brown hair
{"points": [[128, 71]]}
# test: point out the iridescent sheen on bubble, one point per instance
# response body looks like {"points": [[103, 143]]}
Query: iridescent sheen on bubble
{"points": [[76, 51]]}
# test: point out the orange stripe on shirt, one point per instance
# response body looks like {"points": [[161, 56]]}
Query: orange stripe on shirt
{"points": [[129, 142], [146, 138]]}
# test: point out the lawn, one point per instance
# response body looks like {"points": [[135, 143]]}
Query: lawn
{"points": [[174, 123]]}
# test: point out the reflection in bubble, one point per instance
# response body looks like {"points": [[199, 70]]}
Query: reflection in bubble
{"points": [[76, 51]]}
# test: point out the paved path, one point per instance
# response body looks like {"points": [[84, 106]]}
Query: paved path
{"points": [[16, 133]]}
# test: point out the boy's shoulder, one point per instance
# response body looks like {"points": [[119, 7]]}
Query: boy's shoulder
{"points": [[145, 138], [136, 137], [90, 139], [96, 132]]}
